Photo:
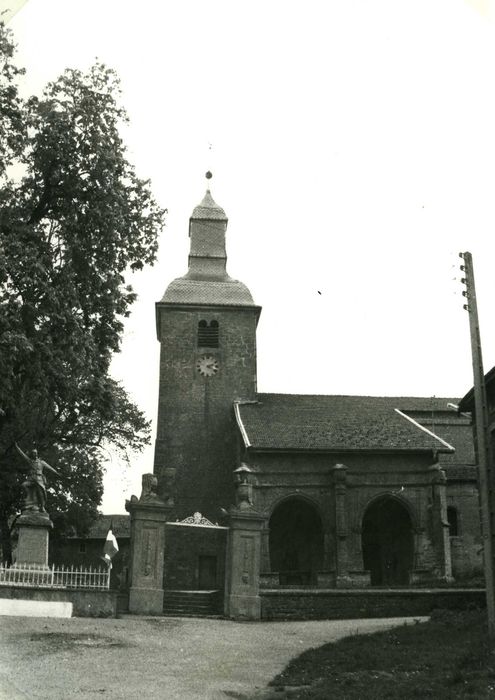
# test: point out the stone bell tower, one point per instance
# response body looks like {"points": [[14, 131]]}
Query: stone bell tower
{"points": [[206, 324]]}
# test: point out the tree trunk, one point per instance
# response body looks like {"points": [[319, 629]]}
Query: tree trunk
{"points": [[5, 541]]}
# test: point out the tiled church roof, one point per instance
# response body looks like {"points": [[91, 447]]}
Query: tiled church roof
{"points": [[341, 423]]}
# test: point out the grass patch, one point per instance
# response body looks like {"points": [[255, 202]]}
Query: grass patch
{"points": [[448, 657]]}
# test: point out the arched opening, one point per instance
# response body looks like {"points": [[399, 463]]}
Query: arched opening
{"points": [[388, 545], [296, 542]]}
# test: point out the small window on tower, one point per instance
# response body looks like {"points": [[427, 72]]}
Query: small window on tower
{"points": [[208, 334], [453, 521]]}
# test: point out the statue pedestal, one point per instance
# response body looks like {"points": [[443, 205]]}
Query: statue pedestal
{"points": [[32, 547]]}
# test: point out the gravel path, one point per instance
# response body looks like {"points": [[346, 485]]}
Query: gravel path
{"points": [[147, 658]]}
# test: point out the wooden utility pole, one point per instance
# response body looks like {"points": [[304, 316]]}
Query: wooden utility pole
{"points": [[485, 467]]}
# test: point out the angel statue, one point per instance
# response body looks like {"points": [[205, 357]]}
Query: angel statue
{"points": [[35, 484]]}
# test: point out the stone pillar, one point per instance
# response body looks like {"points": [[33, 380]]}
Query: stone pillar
{"points": [[242, 599], [439, 523], [148, 517], [32, 545], [265, 549], [339, 473]]}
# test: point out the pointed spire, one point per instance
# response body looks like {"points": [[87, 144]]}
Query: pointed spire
{"points": [[208, 209], [206, 281]]}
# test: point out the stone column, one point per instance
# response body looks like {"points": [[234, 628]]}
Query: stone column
{"points": [[242, 599], [32, 546], [148, 517], [265, 549], [439, 522], [339, 473]]}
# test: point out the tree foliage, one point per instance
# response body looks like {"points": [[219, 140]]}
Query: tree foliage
{"points": [[75, 221]]}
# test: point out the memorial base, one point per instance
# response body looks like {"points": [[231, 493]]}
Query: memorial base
{"points": [[34, 533]]}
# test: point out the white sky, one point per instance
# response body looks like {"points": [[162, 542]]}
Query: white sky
{"points": [[353, 151]]}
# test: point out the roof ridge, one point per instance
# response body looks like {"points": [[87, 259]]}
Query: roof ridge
{"points": [[360, 396]]}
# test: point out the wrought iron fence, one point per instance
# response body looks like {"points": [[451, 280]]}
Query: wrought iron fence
{"points": [[54, 577]]}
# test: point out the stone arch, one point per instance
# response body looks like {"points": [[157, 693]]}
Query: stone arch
{"points": [[388, 540], [313, 502], [296, 540], [393, 495]]}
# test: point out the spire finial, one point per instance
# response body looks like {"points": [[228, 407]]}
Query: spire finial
{"points": [[208, 176]]}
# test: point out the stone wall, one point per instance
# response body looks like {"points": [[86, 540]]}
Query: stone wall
{"points": [[184, 546], [467, 545], [86, 603], [196, 428], [306, 604], [407, 478]]}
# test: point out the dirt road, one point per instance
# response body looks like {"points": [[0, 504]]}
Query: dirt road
{"points": [[151, 658]]}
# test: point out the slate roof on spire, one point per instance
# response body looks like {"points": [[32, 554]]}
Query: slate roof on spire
{"points": [[208, 209], [206, 281], [229, 292]]}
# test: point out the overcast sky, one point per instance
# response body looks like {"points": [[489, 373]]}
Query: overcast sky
{"points": [[353, 149]]}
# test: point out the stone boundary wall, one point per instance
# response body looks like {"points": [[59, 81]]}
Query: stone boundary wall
{"points": [[317, 604], [86, 603]]}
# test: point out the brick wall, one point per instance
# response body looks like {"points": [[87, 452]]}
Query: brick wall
{"points": [[339, 605]]}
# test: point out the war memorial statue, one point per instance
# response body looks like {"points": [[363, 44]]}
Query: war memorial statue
{"points": [[33, 524], [35, 484]]}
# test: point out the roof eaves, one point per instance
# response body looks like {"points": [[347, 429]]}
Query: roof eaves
{"points": [[429, 432], [340, 450]]}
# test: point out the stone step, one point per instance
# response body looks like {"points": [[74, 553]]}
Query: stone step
{"points": [[206, 605], [186, 604], [179, 611], [192, 603], [196, 600]]}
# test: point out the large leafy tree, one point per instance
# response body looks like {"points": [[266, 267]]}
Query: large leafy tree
{"points": [[75, 222]]}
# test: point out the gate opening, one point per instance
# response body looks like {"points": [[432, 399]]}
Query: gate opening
{"points": [[388, 545], [296, 542]]}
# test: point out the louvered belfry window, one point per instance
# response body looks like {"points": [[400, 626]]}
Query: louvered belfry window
{"points": [[208, 334]]}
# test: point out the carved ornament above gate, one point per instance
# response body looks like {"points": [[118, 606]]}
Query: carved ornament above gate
{"points": [[197, 519]]}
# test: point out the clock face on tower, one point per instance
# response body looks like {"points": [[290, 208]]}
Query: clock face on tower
{"points": [[207, 365]]}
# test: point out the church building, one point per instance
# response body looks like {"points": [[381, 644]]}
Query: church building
{"points": [[332, 491]]}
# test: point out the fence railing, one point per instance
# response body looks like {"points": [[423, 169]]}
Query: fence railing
{"points": [[54, 577]]}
